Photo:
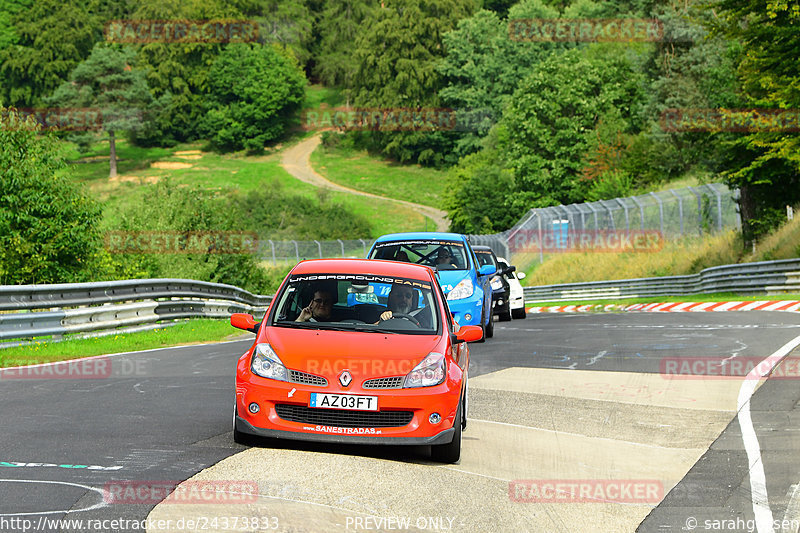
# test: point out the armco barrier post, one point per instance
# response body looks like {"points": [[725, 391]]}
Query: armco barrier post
{"points": [[699, 210], [660, 212], [719, 205], [625, 210], [680, 207], [641, 211]]}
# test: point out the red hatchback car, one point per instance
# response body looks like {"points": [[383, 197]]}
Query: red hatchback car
{"points": [[356, 351]]}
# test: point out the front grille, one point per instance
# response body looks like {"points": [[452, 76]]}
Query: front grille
{"points": [[344, 418], [395, 382], [295, 376]]}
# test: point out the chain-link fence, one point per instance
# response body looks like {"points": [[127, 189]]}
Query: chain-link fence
{"points": [[607, 225], [275, 252], [640, 223]]}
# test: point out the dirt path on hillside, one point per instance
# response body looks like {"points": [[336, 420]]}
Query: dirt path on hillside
{"points": [[296, 161]]}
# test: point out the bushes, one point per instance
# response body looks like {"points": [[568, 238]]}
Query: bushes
{"points": [[47, 224], [270, 213], [253, 90]]}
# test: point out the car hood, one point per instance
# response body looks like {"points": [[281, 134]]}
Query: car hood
{"points": [[365, 355], [450, 278]]}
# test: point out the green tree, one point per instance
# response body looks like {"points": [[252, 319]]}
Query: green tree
{"points": [[8, 9], [397, 55], [47, 224], [688, 70], [552, 117], [765, 165], [288, 24], [177, 73], [253, 91], [482, 190], [109, 83], [52, 37], [483, 66], [340, 23]]}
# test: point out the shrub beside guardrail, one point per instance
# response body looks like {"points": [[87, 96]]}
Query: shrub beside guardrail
{"points": [[763, 277]]}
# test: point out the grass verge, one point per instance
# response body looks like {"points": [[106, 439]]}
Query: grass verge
{"points": [[140, 167], [358, 170], [190, 332], [687, 256]]}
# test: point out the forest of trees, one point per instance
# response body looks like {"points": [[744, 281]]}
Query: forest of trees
{"points": [[547, 122]]}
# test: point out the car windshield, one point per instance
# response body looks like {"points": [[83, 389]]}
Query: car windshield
{"points": [[484, 258], [358, 302], [440, 254]]}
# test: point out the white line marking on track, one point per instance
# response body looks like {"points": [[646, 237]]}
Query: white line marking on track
{"points": [[474, 473], [16, 464], [95, 506], [758, 481], [791, 518]]}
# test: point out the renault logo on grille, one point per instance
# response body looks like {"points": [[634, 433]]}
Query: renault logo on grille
{"points": [[345, 378]]}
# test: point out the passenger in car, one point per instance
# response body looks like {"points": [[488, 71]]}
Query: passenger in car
{"points": [[319, 308]]}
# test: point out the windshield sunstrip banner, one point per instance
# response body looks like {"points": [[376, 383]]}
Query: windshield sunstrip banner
{"points": [[362, 278]]}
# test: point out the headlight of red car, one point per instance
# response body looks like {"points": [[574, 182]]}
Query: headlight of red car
{"points": [[267, 364], [429, 372]]}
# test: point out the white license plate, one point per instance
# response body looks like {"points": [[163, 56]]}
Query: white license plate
{"points": [[343, 401]]}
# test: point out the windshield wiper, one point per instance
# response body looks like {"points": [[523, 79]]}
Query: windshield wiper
{"points": [[375, 330], [323, 326], [293, 324]]}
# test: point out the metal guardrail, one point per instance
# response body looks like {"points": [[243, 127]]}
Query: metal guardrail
{"points": [[90, 307], [14, 297], [765, 277]]}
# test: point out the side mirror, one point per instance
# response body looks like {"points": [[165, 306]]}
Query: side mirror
{"points": [[245, 322], [510, 269], [521, 275], [487, 270], [467, 334]]}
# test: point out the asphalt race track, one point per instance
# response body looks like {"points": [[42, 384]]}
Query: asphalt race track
{"points": [[574, 424]]}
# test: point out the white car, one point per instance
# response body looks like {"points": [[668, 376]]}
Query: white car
{"points": [[516, 298]]}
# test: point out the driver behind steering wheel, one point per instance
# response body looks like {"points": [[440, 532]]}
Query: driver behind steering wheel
{"points": [[401, 300]]}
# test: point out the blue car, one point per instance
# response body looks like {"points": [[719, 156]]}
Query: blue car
{"points": [[465, 283]]}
